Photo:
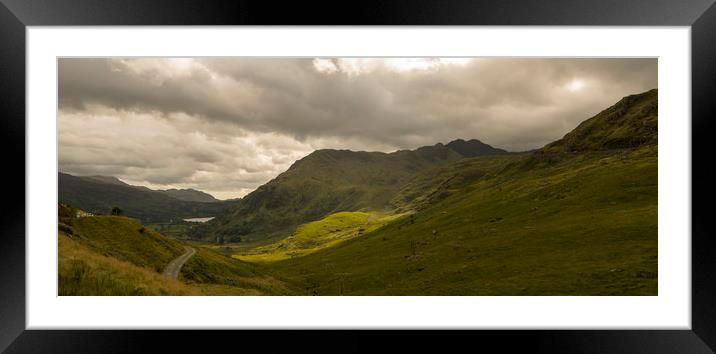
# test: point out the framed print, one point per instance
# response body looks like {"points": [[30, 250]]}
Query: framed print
{"points": [[464, 166]]}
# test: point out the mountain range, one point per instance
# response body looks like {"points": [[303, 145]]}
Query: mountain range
{"points": [[577, 217], [99, 194], [329, 181], [189, 194]]}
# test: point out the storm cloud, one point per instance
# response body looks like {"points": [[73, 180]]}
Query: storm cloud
{"points": [[228, 125]]}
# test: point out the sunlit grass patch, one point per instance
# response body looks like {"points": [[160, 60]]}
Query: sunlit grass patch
{"points": [[319, 235]]}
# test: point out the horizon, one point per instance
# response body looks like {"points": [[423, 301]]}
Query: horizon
{"points": [[226, 126]]}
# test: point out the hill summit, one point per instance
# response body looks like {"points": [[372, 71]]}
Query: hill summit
{"points": [[473, 148], [630, 123]]}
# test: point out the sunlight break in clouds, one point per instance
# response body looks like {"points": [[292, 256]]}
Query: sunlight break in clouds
{"points": [[575, 85]]}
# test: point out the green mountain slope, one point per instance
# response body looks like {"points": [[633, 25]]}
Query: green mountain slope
{"points": [[433, 185], [631, 122], [582, 225], [575, 221], [326, 182], [99, 194]]}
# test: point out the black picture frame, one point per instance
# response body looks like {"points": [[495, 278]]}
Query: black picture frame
{"points": [[16, 15]]}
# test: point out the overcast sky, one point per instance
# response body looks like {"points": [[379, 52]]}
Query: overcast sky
{"points": [[228, 125]]}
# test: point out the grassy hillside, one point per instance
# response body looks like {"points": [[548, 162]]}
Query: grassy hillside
{"points": [[320, 235], [433, 185], [112, 255], [84, 271], [98, 195], [126, 239], [327, 182], [219, 274], [584, 225], [629, 123], [578, 217]]}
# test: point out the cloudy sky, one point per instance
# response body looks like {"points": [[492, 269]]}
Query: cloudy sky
{"points": [[228, 125]]}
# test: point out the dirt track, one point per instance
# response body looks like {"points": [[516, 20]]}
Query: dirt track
{"points": [[173, 268]]}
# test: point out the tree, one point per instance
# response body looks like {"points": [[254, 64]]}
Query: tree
{"points": [[116, 211]]}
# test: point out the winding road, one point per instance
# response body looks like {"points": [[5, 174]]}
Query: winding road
{"points": [[173, 268]]}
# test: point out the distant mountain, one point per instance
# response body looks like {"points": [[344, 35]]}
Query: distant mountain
{"points": [[327, 181], [106, 179], [474, 148], [190, 195], [631, 122], [99, 194]]}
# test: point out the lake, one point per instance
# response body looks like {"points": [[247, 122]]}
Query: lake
{"points": [[199, 219]]}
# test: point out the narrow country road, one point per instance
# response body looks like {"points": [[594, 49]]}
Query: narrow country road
{"points": [[173, 268]]}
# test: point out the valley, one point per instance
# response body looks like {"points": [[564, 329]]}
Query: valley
{"points": [[575, 217]]}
